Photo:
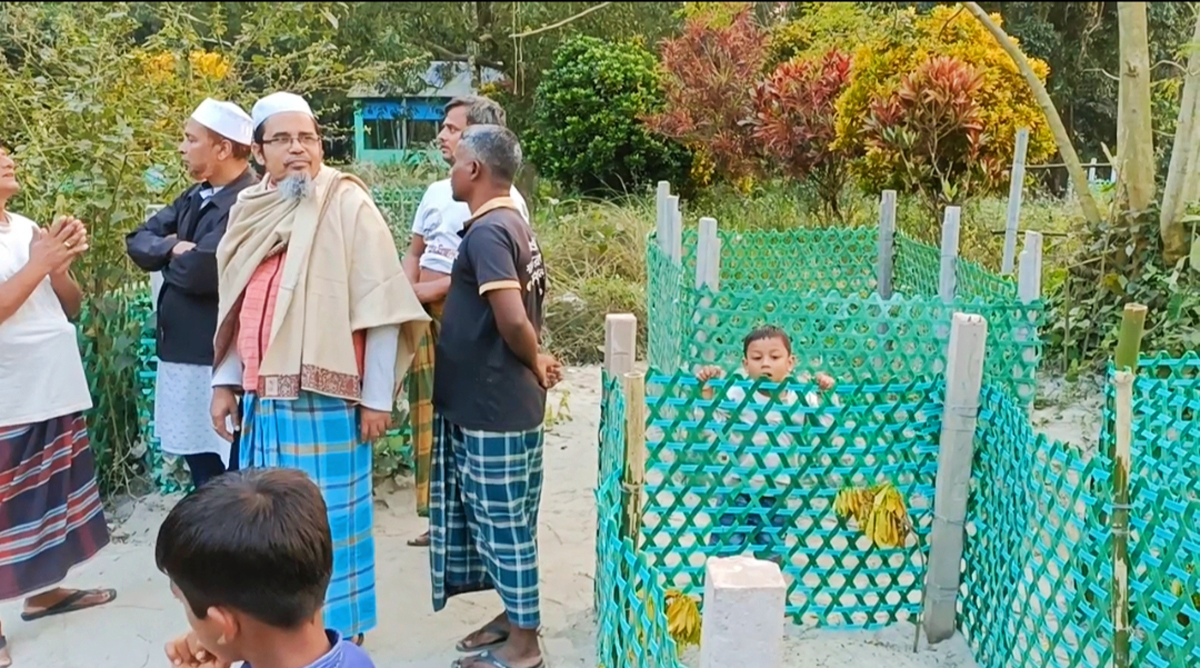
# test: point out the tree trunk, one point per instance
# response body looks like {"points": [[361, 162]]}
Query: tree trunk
{"points": [[1183, 175], [1070, 157], [1135, 134]]}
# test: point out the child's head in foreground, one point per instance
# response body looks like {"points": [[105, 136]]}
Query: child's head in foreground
{"points": [[767, 353], [249, 553]]}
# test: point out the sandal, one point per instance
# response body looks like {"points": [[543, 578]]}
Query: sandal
{"points": [[5, 658], [488, 659], [419, 541], [358, 639], [71, 603], [500, 632]]}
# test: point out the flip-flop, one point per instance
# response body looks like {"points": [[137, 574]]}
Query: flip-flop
{"points": [[359, 639], [419, 541], [5, 658], [493, 629], [488, 659], [71, 603]]}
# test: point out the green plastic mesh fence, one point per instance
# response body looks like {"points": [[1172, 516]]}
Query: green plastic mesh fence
{"points": [[631, 619], [757, 469], [819, 286], [1038, 566], [398, 206]]}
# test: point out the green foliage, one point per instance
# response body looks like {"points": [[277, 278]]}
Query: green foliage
{"points": [[821, 26], [796, 122], [1002, 99], [586, 131], [709, 79], [1120, 263], [93, 108]]}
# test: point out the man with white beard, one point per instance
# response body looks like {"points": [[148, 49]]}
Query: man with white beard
{"points": [[316, 324]]}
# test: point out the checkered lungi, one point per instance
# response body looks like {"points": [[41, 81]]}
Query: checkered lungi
{"points": [[320, 435], [420, 406], [485, 489]]}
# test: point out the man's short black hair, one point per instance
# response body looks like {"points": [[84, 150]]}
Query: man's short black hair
{"points": [[764, 333], [257, 541]]}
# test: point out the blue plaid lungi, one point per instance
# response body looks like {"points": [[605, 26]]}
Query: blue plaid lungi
{"points": [[485, 489], [320, 436]]}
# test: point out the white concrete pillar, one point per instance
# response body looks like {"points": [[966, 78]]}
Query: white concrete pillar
{"points": [[743, 614]]}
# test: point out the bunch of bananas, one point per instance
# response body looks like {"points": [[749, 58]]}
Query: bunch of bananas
{"points": [[880, 512], [683, 618]]}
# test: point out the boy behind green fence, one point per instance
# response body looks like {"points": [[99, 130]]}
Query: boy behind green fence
{"points": [[760, 477]]}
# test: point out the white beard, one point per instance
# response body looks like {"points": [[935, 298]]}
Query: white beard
{"points": [[296, 187]]}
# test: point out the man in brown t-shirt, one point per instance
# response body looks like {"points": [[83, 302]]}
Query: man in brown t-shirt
{"points": [[489, 398]]}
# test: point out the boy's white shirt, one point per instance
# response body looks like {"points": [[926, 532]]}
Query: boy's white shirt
{"points": [[778, 408]]}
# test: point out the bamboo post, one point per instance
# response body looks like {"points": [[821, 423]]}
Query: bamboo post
{"points": [[956, 450], [1016, 189], [1129, 343], [948, 280], [635, 457], [887, 244], [708, 255], [661, 224]]}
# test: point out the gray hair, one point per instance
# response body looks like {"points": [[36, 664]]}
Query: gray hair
{"points": [[295, 187], [494, 146], [480, 110]]}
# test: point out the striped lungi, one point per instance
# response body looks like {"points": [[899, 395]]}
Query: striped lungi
{"points": [[320, 435], [485, 489], [50, 514], [420, 406]]}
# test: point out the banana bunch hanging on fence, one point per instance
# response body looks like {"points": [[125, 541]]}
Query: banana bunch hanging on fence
{"points": [[683, 618], [880, 512]]}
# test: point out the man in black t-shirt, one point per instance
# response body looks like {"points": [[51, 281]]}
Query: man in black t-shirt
{"points": [[489, 399]]}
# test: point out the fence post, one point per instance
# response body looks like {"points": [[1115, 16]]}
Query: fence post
{"points": [[1016, 188], [673, 221], [948, 280], [708, 255], [660, 214], [743, 613], [620, 343], [1029, 289], [956, 449], [887, 244], [635, 458], [156, 279], [1091, 172], [1129, 342]]}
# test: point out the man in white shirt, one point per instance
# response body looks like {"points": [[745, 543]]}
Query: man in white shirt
{"points": [[435, 238]]}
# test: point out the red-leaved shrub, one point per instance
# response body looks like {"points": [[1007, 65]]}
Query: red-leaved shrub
{"points": [[927, 136], [796, 122], [709, 76]]}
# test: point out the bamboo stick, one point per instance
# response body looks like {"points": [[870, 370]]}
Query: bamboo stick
{"points": [[1128, 347]]}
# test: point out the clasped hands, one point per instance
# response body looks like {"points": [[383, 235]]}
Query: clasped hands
{"points": [[53, 250]]}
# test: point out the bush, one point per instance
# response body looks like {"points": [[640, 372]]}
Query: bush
{"points": [[586, 131], [709, 85], [822, 26], [1002, 97], [927, 136], [797, 126]]}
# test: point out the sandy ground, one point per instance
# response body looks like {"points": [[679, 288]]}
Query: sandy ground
{"points": [[130, 632]]}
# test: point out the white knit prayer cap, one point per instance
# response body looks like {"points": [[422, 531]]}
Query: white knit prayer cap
{"points": [[278, 103], [226, 119]]}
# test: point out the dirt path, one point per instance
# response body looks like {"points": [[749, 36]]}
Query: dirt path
{"points": [[131, 631]]}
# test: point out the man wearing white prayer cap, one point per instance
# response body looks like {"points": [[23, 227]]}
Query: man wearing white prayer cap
{"points": [[180, 242], [316, 328]]}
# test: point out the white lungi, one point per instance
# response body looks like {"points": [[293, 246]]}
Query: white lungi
{"points": [[182, 422]]}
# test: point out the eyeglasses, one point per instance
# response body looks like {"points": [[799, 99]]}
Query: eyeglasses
{"points": [[306, 140]]}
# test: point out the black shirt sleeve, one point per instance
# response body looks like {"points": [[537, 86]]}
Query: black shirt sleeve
{"points": [[492, 253]]}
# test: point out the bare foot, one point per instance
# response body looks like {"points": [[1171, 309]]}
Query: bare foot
{"points": [[5, 657]]}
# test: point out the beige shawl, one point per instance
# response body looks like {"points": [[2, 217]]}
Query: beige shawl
{"points": [[342, 275]]}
